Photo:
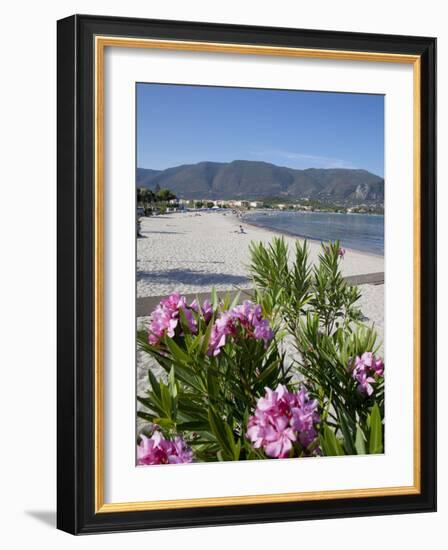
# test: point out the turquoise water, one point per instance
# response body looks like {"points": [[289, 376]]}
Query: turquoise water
{"points": [[358, 231]]}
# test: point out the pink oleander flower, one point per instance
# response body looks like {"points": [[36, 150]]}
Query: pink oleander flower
{"points": [[165, 318], [364, 370], [245, 320], [365, 383], [206, 310], [376, 364], [342, 252], [182, 453], [158, 450], [223, 327], [305, 417], [282, 418]]}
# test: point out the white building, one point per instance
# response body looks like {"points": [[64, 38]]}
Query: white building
{"points": [[220, 203]]}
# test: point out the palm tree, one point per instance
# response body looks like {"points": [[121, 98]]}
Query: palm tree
{"points": [[145, 197], [165, 195]]}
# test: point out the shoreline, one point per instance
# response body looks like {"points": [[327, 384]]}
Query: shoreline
{"points": [[310, 239]]}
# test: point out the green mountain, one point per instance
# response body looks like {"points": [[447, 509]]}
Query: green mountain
{"points": [[243, 179]]}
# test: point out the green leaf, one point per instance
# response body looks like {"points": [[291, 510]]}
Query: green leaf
{"points": [[166, 401], [191, 409], [188, 378], [193, 426], [206, 337], [330, 443], [172, 383], [219, 431], [237, 450], [146, 416], [177, 352], [212, 386], [376, 431], [235, 447], [360, 442], [165, 423], [155, 386], [348, 441], [153, 403], [267, 371], [214, 299], [235, 300]]}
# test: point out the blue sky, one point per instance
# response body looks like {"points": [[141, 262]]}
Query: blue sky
{"points": [[188, 124]]}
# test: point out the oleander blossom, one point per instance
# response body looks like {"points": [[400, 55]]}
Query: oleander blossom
{"points": [[245, 320], [158, 450], [366, 369], [281, 418], [166, 318], [205, 311]]}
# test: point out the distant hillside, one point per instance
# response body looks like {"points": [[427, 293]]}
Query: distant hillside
{"points": [[257, 180], [145, 176]]}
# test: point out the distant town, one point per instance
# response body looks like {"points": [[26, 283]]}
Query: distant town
{"points": [[161, 201]]}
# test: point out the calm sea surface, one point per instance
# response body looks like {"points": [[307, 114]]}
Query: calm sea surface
{"points": [[359, 231]]}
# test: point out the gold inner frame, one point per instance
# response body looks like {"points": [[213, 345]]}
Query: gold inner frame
{"points": [[101, 42]]}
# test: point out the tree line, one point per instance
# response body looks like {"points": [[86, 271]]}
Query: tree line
{"points": [[158, 198]]}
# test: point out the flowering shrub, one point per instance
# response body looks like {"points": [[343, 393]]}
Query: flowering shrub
{"points": [[244, 321], [366, 370], [234, 390], [282, 418], [158, 450], [335, 351], [166, 318], [218, 357]]}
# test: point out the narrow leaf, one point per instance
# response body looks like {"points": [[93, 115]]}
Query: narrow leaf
{"points": [[360, 443], [330, 443], [376, 431]]}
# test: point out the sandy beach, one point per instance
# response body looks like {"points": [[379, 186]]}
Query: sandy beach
{"points": [[192, 253]]}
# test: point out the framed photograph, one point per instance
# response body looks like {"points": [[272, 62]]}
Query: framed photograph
{"points": [[247, 274]]}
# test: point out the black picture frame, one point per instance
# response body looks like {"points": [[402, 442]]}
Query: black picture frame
{"points": [[76, 272]]}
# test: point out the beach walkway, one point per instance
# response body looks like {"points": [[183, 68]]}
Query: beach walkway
{"points": [[147, 304]]}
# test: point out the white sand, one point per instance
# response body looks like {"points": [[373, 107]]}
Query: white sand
{"points": [[193, 253]]}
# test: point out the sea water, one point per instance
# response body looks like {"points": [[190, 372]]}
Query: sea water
{"points": [[363, 232]]}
